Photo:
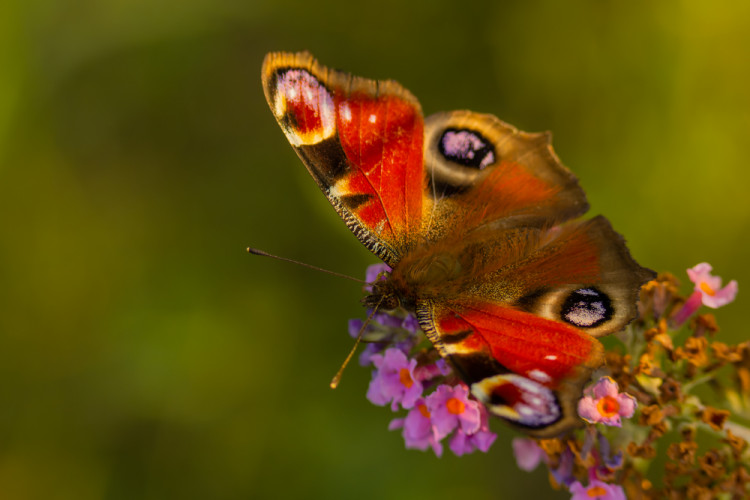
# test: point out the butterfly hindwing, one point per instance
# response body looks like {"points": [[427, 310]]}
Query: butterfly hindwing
{"points": [[526, 369], [362, 141]]}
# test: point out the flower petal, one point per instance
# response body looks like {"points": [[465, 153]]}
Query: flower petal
{"points": [[605, 387], [587, 410], [627, 405], [527, 452]]}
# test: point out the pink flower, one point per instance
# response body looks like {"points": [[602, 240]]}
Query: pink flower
{"points": [[418, 430], [462, 443], [707, 292], [712, 294], [450, 408], [528, 453], [394, 380], [603, 404], [596, 490]]}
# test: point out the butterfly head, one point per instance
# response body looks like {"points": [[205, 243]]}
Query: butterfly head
{"points": [[383, 296]]}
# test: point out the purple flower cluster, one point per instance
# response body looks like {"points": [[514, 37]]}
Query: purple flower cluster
{"points": [[446, 410], [403, 374], [398, 381]]}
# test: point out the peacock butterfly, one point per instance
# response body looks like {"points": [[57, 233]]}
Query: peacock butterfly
{"points": [[480, 225]]}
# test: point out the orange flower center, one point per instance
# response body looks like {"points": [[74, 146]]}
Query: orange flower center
{"points": [[710, 291], [455, 406], [608, 406], [405, 378], [423, 410], [596, 491]]}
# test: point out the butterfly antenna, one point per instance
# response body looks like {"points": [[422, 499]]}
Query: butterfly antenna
{"points": [[337, 378], [255, 251]]}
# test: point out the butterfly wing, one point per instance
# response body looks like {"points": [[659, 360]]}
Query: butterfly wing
{"points": [[362, 141], [483, 172]]}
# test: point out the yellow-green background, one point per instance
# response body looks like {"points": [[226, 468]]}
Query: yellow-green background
{"points": [[144, 355]]}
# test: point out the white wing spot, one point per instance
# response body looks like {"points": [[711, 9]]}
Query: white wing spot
{"points": [[524, 410], [346, 112], [334, 192], [539, 376], [550, 357], [372, 118]]}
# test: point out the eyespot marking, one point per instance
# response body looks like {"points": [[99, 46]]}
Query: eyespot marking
{"points": [[304, 107], [466, 147], [539, 376], [587, 308], [519, 399]]}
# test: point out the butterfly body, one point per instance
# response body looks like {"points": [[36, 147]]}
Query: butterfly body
{"points": [[479, 223]]}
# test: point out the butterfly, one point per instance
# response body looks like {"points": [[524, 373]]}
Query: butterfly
{"points": [[480, 224]]}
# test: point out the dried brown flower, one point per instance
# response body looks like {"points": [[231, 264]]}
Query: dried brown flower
{"points": [[552, 447], [645, 450], [737, 483], [657, 296], [694, 351], [704, 324], [737, 444], [714, 417], [651, 415], [688, 433], [683, 453], [729, 354], [698, 492], [670, 390], [712, 464], [659, 335]]}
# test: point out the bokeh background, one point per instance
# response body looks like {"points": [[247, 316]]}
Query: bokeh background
{"points": [[145, 355]]}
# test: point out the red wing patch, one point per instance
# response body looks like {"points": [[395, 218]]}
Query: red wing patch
{"points": [[540, 349], [523, 367], [382, 138]]}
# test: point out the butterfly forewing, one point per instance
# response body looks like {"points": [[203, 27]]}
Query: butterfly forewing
{"points": [[362, 141]]}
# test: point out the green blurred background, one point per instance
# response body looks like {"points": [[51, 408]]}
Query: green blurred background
{"points": [[145, 355]]}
